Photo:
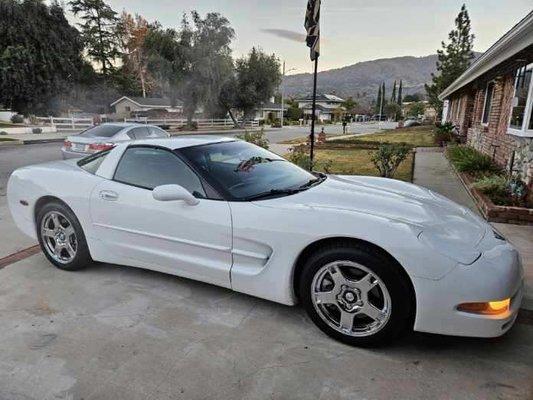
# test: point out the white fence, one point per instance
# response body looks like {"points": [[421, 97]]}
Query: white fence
{"points": [[76, 124], [201, 123], [67, 124]]}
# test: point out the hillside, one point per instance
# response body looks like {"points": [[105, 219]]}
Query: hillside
{"points": [[362, 80]]}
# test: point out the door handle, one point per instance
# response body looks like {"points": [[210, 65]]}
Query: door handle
{"points": [[108, 195]]}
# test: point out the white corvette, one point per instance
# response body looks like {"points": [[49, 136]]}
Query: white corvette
{"points": [[367, 257]]}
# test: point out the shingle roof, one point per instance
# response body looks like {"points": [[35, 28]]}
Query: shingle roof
{"points": [[323, 97], [149, 101]]}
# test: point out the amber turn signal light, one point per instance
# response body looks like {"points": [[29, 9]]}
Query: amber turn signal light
{"points": [[486, 308]]}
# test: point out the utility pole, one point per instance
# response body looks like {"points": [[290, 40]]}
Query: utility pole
{"points": [[281, 90]]}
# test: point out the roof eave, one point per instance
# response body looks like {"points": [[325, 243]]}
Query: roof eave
{"points": [[514, 41]]}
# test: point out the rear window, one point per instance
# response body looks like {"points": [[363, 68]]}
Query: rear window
{"points": [[93, 162], [102, 131]]}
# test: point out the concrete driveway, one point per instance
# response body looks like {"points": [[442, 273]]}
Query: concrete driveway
{"points": [[112, 332]]}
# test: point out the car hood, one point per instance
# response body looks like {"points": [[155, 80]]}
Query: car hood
{"points": [[393, 200]]}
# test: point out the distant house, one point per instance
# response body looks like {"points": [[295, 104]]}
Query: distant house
{"points": [[327, 106], [128, 106], [491, 103], [269, 111]]}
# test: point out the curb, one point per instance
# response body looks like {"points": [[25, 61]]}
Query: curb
{"points": [[40, 141], [10, 142]]}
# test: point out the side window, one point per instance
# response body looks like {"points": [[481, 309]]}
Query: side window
{"points": [[149, 167], [157, 132], [139, 133], [92, 163]]}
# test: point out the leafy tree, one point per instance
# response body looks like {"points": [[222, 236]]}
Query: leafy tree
{"points": [[400, 100], [416, 109], [294, 113], [453, 59], [209, 61], [38, 65], [349, 104], [256, 80], [167, 55], [412, 97], [392, 110], [99, 31], [132, 33]]}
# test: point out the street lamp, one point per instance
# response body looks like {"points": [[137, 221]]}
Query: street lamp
{"points": [[282, 97]]}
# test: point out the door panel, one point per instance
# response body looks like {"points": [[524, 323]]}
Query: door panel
{"points": [[169, 236]]}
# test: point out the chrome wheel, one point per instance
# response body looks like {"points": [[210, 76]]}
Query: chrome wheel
{"points": [[59, 237], [350, 298]]}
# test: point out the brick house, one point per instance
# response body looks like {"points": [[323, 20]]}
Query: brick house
{"points": [[491, 103]]}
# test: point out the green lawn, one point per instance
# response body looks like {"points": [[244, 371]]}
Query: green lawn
{"points": [[5, 139], [358, 162], [419, 136]]}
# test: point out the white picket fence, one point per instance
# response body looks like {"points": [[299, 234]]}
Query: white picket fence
{"points": [[201, 123], [67, 124]]}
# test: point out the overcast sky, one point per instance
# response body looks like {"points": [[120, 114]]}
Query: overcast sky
{"points": [[352, 30]]}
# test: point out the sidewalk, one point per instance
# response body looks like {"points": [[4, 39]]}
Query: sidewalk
{"points": [[433, 171]]}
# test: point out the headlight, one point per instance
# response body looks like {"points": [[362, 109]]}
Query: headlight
{"points": [[456, 250]]}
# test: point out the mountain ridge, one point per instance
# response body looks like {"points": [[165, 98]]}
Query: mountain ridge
{"points": [[361, 80]]}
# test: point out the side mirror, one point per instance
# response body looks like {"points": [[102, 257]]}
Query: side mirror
{"points": [[174, 193]]}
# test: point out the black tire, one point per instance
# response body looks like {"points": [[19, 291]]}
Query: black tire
{"points": [[82, 256], [388, 272]]}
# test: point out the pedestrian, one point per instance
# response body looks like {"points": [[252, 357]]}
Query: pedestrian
{"points": [[344, 123]]}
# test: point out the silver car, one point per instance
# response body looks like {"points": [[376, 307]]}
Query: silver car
{"points": [[105, 136]]}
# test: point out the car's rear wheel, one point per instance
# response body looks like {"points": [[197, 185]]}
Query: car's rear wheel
{"points": [[355, 294], [61, 237]]}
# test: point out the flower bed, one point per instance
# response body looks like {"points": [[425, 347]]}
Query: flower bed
{"points": [[492, 212]]}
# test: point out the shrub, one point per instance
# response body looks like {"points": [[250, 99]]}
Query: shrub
{"points": [[17, 119], [258, 138], [388, 157], [467, 159], [503, 189], [300, 156]]}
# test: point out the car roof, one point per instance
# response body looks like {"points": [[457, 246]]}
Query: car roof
{"points": [[183, 141]]}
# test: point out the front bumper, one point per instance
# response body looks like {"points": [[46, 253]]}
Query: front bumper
{"points": [[496, 275]]}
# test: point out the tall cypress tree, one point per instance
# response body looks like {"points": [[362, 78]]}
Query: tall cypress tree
{"points": [[400, 99], [393, 96], [453, 59], [383, 96], [378, 101]]}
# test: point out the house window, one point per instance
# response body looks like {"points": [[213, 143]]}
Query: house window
{"points": [[489, 91], [127, 108], [521, 122]]}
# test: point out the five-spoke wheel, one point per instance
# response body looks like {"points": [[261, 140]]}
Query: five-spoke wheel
{"points": [[61, 236], [351, 298], [355, 293]]}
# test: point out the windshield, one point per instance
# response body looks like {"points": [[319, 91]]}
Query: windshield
{"points": [[245, 171], [102, 131]]}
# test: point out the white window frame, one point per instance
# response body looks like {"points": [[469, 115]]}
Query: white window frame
{"points": [[485, 102], [524, 131]]}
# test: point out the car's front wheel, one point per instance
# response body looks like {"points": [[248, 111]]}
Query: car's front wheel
{"points": [[355, 294], [61, 237]]}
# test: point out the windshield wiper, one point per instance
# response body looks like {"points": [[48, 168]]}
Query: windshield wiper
{"points": [[312, 182], [270, 193]]}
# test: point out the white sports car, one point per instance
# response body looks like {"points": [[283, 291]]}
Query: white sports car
{"points": [[367, 257]]}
